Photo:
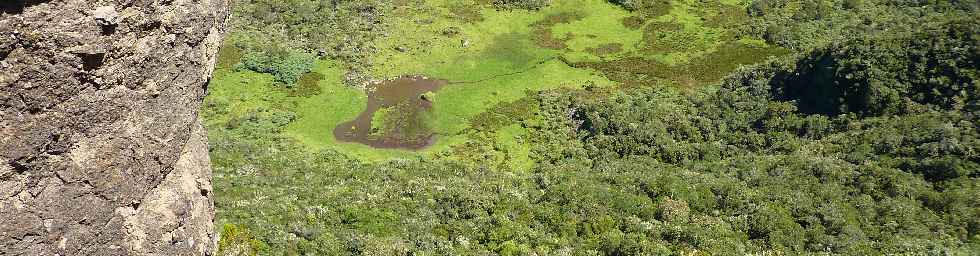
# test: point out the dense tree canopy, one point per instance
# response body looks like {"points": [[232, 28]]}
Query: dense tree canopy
{"points": [[855, 178]]}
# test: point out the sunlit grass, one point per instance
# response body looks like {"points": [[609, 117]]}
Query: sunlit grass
{"points": [[489, 56], [602, 24], [336, 103]]}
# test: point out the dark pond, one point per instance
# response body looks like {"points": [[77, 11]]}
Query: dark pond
{"points": [[401, 108]]}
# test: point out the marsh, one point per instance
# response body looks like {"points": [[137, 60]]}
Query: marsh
{"points": [[395, 114]]}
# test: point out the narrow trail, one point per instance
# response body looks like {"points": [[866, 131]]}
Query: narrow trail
{"points": [[525, 70]]}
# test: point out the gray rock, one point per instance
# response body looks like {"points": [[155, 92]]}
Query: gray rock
{"points": [[101, 147], [105, 15]]}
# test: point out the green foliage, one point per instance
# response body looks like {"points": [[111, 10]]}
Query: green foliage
{"points": [[314, 25], [238, 240], [308, 85], [780, 155], [704, 70], [402, 122], [805, 24], [860, 137], [469, 13], [936, 70], [341, 30], [542, 34], [284, 64], [648, 8], [521, 4], [503, 114], [631, 5], [228, 56]]}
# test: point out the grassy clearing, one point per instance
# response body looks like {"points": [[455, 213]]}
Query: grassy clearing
{"points": [[686, 43], [337, 103], [237, 95], [493, 57], [458, 103], [602, 25], [681, 35], [489, 56]]}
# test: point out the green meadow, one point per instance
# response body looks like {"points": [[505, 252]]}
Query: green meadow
{"points": [[489, 56]]}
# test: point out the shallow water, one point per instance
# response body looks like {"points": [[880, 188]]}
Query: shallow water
{"points": [[404, 123]]}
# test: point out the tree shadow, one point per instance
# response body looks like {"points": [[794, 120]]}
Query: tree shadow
{"points": [[17, 7], [819, 86]]}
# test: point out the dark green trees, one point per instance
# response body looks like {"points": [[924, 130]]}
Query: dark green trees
{"points": [[870, 145], [521, 4]]}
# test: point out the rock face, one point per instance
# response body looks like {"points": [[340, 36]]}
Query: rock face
{"points": [[101, 148]]}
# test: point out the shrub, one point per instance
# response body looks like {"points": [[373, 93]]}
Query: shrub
{"points": [[631, 5], [286, 65], [238, 240], [648, 8], [521, 4], [340, 30]]}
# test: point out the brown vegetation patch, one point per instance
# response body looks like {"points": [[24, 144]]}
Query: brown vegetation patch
{"points": [[229, 56], [634, 22], [634, 71], [468, 13], [656, 34], [606, 49], [543, 36], [503, 114], [728, 16], [307, 85], [654, 8]]}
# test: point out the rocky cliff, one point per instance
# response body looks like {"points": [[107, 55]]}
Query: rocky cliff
{"points": [[101, 148]]}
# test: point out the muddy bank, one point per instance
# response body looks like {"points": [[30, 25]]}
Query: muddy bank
{"points": [[395, 114]]}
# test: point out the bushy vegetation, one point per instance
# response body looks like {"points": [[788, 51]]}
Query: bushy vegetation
{"points": [[237, 240], [343, 30], [860, 137], [647, 8], [934, 68], [521, 4], [803, 24], [788, 179], [631, 5], [286, 65]]}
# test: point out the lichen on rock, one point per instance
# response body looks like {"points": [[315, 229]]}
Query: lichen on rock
{"points": [[101, 148]]}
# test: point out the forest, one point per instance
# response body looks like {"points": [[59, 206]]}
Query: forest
{"points": [[592, 127]]}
